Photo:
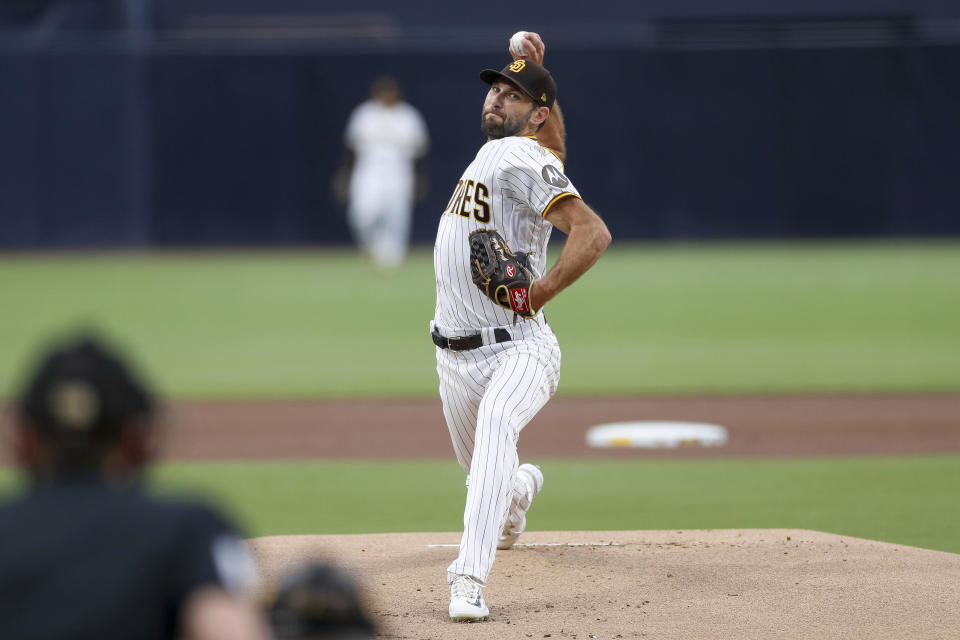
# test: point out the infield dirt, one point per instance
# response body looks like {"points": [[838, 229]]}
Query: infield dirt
{"points": [[763, 425]]}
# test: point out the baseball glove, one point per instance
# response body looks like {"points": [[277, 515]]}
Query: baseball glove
{"points": [[502, 275]]}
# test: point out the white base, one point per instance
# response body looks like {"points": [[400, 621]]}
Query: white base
{"points": [[656, 435]]}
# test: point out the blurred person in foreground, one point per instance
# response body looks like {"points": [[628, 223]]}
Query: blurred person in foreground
{"points": [[383, 172], [319, 602], [85, 553]]}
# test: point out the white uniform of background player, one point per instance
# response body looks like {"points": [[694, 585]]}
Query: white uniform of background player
{"points": [[496, 372], [386, 137]]}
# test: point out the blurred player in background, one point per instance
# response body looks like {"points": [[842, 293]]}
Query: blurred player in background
{"points": [[319, 602], [383, 174], [85, 553]]}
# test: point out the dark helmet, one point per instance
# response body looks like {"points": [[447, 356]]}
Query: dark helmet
{"points": [[81, 394]]}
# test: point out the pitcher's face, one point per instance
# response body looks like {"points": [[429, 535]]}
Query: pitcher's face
{"points": [[507, 111]]}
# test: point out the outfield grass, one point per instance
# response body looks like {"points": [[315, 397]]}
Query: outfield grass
{"points": [[723, 318], [726, 318], [907, 500]]}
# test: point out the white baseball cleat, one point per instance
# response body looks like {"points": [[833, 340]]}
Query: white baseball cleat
{"points": [[530, 483], [466, 600]]}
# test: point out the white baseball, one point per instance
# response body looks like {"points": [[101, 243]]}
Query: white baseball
{"points": [[516, 43]]}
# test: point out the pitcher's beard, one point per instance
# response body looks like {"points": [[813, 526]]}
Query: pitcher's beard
{"points": [[507, 126]]}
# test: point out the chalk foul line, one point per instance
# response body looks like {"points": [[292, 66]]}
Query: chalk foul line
{"points": [[548, 544]]}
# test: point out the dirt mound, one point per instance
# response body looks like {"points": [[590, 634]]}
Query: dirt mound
{"points": [[657, 584]]}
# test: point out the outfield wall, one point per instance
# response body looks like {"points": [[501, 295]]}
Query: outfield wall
{"points": [[150, 140]]}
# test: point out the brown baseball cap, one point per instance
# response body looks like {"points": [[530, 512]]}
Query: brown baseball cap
{"points": [[532, 78]]}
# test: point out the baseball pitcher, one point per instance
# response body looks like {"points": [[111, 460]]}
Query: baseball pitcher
{"points": [[498, 360]]}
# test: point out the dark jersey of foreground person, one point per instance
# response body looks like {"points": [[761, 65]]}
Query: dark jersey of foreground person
{"points": [[79, 559]]}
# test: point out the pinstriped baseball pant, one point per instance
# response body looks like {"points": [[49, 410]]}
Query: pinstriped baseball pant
{"points": [[489, 394]]}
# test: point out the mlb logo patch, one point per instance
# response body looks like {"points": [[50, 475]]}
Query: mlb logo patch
{"points": [[519, 301]]}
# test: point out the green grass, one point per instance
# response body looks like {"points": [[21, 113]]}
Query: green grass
{"points": [[720, 318], [906, 500]]}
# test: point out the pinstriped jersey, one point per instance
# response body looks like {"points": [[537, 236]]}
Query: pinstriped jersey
{"points": [[510, 186]]}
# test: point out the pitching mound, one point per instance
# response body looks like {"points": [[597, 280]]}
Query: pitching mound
{"points": [[657, 584]]}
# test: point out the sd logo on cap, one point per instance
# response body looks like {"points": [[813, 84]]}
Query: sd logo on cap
{"points": [[531, 78]]}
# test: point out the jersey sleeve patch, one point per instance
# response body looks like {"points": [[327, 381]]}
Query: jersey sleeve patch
{"points": [[553, 176], [234, 564], [531, 175]]}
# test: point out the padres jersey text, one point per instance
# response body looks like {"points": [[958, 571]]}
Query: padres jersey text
{"points": [[510, 186]]}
